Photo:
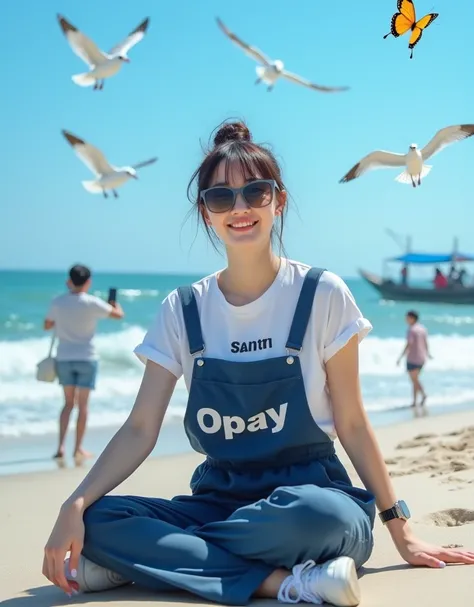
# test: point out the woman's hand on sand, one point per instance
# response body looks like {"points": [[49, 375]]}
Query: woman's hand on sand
{"points": [[67, 535], [422, 554]]}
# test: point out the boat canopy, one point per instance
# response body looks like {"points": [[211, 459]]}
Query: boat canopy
{"points": [[431, 258]]}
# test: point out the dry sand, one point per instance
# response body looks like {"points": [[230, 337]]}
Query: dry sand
{"points": [[432, 463]]}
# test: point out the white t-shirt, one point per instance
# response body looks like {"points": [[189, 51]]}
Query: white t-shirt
{"points": [[75, 317], [260, 330]]}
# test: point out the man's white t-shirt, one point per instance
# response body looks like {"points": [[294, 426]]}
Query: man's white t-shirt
{"points": [[260, 330], [75, 317]]}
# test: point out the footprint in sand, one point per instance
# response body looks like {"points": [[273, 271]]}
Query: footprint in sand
{"points": [[453, 517], [456, 479], [425, 436], [421, 440], [441, 457], [468, 430], [412, 444]]}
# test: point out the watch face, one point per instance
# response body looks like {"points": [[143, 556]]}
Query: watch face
{"points": [[404, 509]]}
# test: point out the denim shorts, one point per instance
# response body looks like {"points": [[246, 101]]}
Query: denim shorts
{"points": [[79, 373], [414, 367]]}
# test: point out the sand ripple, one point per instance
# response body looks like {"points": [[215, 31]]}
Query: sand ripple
{"points": [[444, 454]]}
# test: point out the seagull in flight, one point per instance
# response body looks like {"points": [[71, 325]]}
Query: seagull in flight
{"points": [[108, 177], [270, 71], [414, 159], [101, 65]]}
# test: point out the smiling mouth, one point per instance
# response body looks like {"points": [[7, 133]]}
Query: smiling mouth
{"points": [[242, 226]]}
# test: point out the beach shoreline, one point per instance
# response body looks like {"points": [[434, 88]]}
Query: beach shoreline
{"points": [[434, 473], [33, 453]]}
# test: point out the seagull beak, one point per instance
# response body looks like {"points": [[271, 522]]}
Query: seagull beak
{"points": [[126, 59]]}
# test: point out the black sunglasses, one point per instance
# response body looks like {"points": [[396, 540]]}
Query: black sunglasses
{"points": [[257, 194]]}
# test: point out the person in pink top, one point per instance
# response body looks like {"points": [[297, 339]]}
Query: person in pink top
{"points": [[417, 353], [440, 281]]}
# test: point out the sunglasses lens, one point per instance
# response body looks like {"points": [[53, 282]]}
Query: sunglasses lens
{"points": [[219, 200], [258, 194]]}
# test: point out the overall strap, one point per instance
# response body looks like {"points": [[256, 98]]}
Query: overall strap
{"points": [[192, 321], [303, 309]]}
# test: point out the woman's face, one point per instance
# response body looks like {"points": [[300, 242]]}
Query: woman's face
{"points": [[242, 225]]}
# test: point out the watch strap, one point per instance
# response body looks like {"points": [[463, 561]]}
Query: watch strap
{"points": [[389, 514]]}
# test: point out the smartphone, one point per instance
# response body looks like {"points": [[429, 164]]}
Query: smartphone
{"points": [[112, 295]]}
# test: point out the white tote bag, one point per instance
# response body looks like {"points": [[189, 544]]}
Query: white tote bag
{"points": [[45, 369]]}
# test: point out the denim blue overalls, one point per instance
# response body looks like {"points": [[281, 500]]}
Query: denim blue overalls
{"points": [[271, 492]]}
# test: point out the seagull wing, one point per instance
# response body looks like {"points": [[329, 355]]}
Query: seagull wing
{"points": [[90, 155], [145, 163], [317, 87], [375, 160], [133, 38], [83, 46], [252, 51], [446, 136]]}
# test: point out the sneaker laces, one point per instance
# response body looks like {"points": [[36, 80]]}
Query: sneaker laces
{"points": [[299, 586], [114, 577]]}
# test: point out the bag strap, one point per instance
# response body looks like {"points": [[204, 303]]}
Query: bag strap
{"points": [[51, 346]]}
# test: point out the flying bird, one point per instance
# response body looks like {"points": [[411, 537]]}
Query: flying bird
{"points": [[405, 20], [414, 159], [108, 177], [270, 71], [101, 65]]}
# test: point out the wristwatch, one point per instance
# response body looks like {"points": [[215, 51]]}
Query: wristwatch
{"points": [[398, 510]]}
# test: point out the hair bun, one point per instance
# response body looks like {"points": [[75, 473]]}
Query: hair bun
{"points": [[232, 131]]}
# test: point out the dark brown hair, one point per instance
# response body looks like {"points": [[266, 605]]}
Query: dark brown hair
{"points": [[233, 143]]}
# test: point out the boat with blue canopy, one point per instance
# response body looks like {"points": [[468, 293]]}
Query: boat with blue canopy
{"points": [[450, 287]]}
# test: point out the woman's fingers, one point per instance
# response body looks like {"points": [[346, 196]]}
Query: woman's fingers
{"points": [[458, 556], [430, 561], [56, 573], [76, 549]]}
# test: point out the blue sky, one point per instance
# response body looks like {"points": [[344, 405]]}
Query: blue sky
{"points": [[185, 77]]}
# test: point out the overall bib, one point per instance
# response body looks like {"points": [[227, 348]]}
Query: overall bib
{"points": [[271, 492]]}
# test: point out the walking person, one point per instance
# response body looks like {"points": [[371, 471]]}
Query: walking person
{"points": [[269, 352], [74, 316], [417, 352]]}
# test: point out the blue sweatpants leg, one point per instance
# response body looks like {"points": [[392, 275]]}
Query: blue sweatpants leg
{"points": [[295, 524], [152, 542]]}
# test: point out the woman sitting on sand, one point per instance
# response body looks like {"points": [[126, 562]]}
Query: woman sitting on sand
{"points": [[269, 351]]}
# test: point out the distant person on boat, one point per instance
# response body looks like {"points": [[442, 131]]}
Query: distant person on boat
{"points": [[462, 275], [440, 281], [453, 276], [417, 352], [74, 316], [404, 276]]}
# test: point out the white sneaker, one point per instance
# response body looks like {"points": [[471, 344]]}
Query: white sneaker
{"points": [[333, 582], [93, 578]]}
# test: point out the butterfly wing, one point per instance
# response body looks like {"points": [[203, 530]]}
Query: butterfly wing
{"points": [[407, 9], [400, 25], [403, 20], [419, 27]]}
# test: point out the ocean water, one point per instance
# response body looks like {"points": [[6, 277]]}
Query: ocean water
{"points": [[30, 409]]}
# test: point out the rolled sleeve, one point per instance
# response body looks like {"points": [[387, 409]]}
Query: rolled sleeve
{"points": [[161, 343], [344, 320], [147, 352]]}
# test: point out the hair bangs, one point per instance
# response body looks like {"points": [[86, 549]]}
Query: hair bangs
{"points": [[234, 147]]}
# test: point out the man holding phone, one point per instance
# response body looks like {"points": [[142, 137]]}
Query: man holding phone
{"points": [[74, 318]]}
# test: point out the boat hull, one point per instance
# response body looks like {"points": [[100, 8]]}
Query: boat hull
{"points": [[393, 291]]}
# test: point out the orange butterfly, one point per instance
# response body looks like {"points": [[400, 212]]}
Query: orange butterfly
{"points": [[405, 20]]}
